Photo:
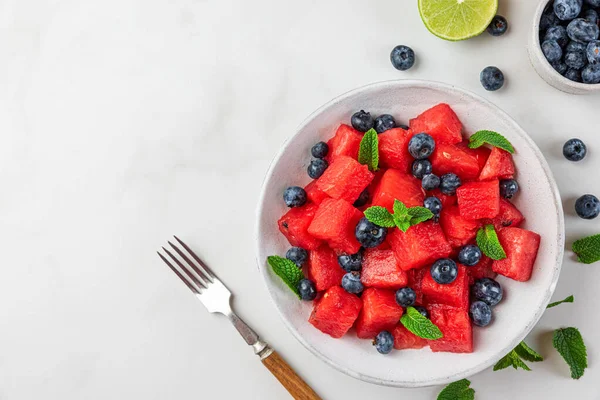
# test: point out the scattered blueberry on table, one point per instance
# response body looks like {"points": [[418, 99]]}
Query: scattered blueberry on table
{"points": [[498, 26], [587, 206], [492, 78], [402, 57], [574, 150]]}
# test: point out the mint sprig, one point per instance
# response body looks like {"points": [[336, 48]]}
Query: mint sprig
{"points": [[288, 271], [368, 153], [487, 240], [517, 356], [420, 326], [495, 139], [587, 249], [569, 343], [380, 216], [403, 217], [527, 353], [457, 391], [568, 299]]}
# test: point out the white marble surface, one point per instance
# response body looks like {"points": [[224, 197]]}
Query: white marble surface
{"points": [[126, 121]]}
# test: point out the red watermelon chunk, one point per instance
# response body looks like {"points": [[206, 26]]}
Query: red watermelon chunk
{"points": [[415, 281], [335, 313], [508, 215], [346, 142], [335, 221], [481, 153], [324, 269], [499, 165], [478, 200], [346, 242], [455, 326], [381, 270], [345, 179], [440, 122], [521, 248], [404, 339], [393, 149], [459, 231], [450, 158], [454, 294], [380, 312], [421, 244], [483, 269], [447, 201], [398, 185], [294, 226], [315, 195]]}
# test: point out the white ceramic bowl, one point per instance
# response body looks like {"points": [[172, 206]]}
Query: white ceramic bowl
{"points": [[524, 303], [543, 67]]}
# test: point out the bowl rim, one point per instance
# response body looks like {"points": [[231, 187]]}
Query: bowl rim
{"points": [[399, 84]]}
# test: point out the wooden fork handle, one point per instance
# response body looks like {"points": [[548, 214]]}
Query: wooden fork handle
{"points": [[288, 378]]}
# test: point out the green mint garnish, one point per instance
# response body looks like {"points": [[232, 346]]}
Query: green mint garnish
{"points": [[490, 137], [488, 242], [569, 299], [287, 270], [516, 356], [527, 353], [420, 326], [457, 391], [368, 154], [587, 249], [569, 343], [403, 217], [380, 216]]}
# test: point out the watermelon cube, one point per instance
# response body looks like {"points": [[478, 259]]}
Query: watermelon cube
{"points": [[323, 268], [381, 270], [380, 312], [345, 179], [415, 281], [398, 185], [481, 153], [459, 230], [315, 195], [483, 269], [453, 294], [499, 165], [440, 122], [335, 221], [421, 244], [405, 339], [346, 242], [346, 142], [508, 215], [455, 326], [478, 200], [521, 248], [447, 200], [294, 226], [393, 149], [451, 158], [335, 313]]}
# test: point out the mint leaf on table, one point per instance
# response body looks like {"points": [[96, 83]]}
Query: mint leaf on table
{"points": [[569, 343], [380, 216], [420, 326], [569, 299], [587, 249], [495, 139], [288, 271], [516, 356], [527, 353], [488, 242], [368, 153], [459, 390]]}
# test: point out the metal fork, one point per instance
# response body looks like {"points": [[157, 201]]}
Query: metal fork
{"points": [[217, 299]]}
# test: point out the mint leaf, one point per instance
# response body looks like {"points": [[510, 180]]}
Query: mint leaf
{"points": [[569, 343], [419, 214], [512, 359], [368, 153], [405, 217], [399, 208], [527, 353], [422, 327], [457, 391], [490, 137], [287, 270], [587, 249], [380, 216], [488, 242], [569, 299]]}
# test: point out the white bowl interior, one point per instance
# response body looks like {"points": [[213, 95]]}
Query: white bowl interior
{"points": [[523, 304]]}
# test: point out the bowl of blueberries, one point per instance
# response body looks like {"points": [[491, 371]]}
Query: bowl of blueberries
{"points": [[564, 46]]}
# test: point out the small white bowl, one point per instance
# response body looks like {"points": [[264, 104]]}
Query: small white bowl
{"points": [[524, 303], [543, 67]]}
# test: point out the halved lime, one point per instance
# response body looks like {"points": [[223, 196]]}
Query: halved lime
{"points": [[457, 19]]}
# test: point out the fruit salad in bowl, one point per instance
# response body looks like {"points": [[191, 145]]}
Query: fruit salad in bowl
{"points": [[410, 233]]}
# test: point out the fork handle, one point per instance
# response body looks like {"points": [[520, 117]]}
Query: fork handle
{"points": [[288, 378]]}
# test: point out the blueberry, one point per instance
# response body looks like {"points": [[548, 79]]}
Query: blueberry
{"points": [[591, 15], [363, 198], [421, 146], [508, 188], [294, 196], [573, 74], [558, 33], [480, 313], [307, 290], [405, 127], [548, 20], [552, 50], [368, 234], [487, 290], [433, 204], [449, 183], [592, 52], [405, 297], [574, 150], [402, 57], [362, 121], [444, 271], [384, 342], [317, 167], [491, 78], [430, 182], [420, 168], [298, 255], [567, 9], [384, 122], [587, 206], [560, 67], [469, 255], [351, 262], [351, 283], [320, 150], [422, 311], [575, 59], [582, 31], [591, 74], [575, 46], [498, 26], [593, 3]]}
